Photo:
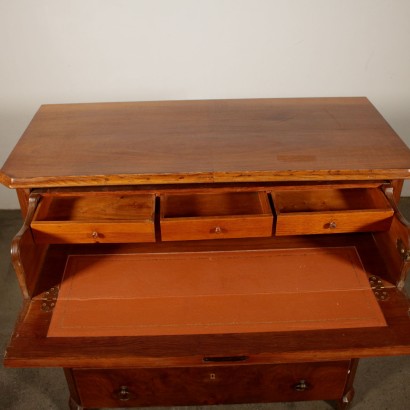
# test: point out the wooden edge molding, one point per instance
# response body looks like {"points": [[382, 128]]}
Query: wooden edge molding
{"points": [[203, 177], [105, 180], [311, 175], [5, 180]]}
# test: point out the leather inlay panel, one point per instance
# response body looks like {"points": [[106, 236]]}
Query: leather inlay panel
{"points": [[214, 292]]}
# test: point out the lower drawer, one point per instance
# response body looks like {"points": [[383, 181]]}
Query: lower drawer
{"points": [[244, 383]]}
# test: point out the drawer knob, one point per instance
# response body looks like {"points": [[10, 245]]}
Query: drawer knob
{"points": [[332, 225], [302, 385], [124, 394], [217, 229], [95, 235]]}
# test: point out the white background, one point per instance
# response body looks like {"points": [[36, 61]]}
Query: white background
{"points": [[57, 51]]}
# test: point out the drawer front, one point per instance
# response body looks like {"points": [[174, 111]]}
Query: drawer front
{"points": [[333, 222], [215, 215], [95, 218], [79, 232], [211, 384], [216, 228]]}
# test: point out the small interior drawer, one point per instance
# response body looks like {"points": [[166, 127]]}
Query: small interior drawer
{"points": [[88, 218], [331, 211], [201, 385], [215, 215]]}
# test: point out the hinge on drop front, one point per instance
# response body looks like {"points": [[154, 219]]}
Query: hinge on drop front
{"points": [[49, 299], [378, 288]]}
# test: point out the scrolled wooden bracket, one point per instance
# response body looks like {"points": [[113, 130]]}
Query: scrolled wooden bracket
{"points": [[401, 234], [389, 192], [22, 236]]}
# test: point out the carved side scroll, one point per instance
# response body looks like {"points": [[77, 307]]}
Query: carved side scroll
{"points": [[25, 254], [394, 245]]}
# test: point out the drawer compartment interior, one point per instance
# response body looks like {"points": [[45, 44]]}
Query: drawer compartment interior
{"points": [[215, 215], [331, 211], [210, 384], [95, 218]]}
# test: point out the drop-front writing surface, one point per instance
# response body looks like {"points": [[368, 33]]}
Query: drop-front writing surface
{"points": [[123, 201], [214, 293]]}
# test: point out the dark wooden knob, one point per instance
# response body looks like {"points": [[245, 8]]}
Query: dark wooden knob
{"points": [[123, 394], [302, 385]]}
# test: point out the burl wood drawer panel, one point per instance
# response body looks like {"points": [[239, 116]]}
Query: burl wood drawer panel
{"points": [[95, 219], [204, 385], [324, 211], [215, 216]]}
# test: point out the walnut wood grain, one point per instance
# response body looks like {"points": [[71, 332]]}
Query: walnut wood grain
{"points": [[206, 141], [201, 385]]}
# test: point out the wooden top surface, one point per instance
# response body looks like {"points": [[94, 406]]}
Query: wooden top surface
{"points": [[206, 141]]}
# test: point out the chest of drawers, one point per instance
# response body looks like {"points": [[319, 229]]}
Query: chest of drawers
{"points": [[209, 252]]}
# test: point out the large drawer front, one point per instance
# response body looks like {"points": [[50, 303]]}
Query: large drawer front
{"points": [[244, 383]]}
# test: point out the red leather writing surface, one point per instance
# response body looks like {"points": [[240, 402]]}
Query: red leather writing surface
{"points": [[214, 292]]}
